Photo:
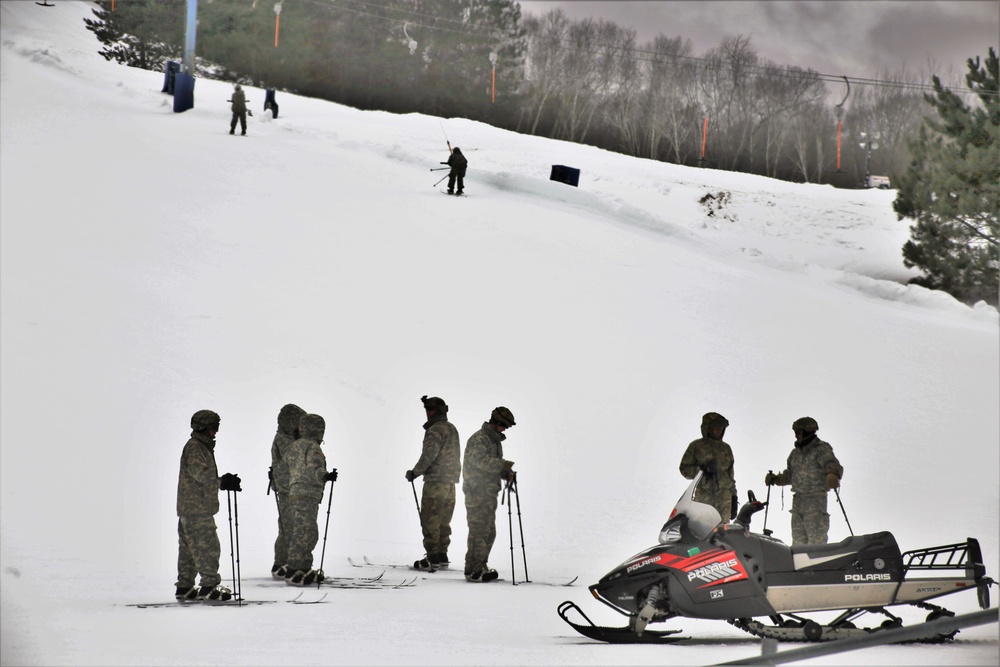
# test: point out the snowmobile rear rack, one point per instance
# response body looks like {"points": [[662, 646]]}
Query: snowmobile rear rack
{"points": [[615, 635], [962, 556]]}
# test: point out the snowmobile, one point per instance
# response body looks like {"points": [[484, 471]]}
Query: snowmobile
{"points": [[706, 569]]}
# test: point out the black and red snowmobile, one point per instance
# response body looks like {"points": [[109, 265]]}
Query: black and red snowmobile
{"points": [[706, 569]]}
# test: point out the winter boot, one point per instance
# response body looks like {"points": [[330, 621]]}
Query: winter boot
{"points": [[427, 563], [489, 574], [215, 593], [232, 131], [441, 559], [186, 593], [313, 577], [280, 572]]}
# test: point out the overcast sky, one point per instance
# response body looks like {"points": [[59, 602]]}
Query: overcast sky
{"points": [[838, 37]]}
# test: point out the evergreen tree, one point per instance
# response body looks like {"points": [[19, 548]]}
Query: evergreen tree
{"points": [[140, 33], [952, 190]]}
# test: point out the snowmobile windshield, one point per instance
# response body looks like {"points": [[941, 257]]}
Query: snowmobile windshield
{"points": [[701, 517]]}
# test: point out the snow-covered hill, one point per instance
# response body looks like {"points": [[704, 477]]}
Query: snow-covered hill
{"points": [[153, 265]]}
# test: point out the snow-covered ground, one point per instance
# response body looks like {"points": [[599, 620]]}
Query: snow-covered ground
{"points": [[153, 265]]}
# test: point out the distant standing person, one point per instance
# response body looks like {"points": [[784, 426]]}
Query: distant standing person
{"points": [[198, 487], [239, 101], [307, 478], [483, 471], [287, 433], [440, 465], [458, 165], [711, 455], [812, 470]]}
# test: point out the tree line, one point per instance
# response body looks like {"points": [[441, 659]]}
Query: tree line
{"points": [[585, 81]]}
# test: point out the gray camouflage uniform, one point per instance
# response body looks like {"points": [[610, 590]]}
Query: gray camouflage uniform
{"points": [[306, 471], [197, 505], [481, 482], [440, 465], [808, 465], [718, 485], [288, 428]]}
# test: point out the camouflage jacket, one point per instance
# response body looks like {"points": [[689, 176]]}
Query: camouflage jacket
{"points": [[198, 482], [808, 465], [306, 469], [440, 458], [282, 439], [715, 490], [483, 462], [239, 101]]}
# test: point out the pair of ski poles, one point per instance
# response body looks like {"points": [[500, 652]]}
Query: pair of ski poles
{"points": [[234, 556], [767, 506], [511, 487]]}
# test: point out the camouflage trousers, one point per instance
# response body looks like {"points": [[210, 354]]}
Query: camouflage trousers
{"points": [[437, 506], [281, 543], [481, 514], [810, 520], [303, 532], [198, 551]]}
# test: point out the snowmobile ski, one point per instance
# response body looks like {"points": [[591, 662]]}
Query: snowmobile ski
{"points": [[616, 635]]}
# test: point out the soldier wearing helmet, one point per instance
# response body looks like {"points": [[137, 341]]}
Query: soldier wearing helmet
{"points": [[482, 473], [714, 458], [812, 470], [198, 487], [440, 465]]}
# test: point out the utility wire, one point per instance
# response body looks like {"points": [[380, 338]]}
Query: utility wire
{"points": [[638, 54]]}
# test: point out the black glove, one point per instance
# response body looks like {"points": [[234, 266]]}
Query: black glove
{"points": [[330, 476], [249, 113], [735, 507], [230, 482], [708, 469], [270, 474], [410, 476]]}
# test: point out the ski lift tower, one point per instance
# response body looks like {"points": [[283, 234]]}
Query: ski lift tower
{"points": [[184, 80]]}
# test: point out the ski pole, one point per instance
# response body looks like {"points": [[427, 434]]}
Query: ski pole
{"points": [[414, 486], [510, 533], [520, 527], [442, 178], [439, 168], [837, 491], [322, 556], [767, 504], [239, 577], [232, 561]]}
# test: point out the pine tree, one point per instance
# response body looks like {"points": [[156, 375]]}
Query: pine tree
{"points": [[140, 33], [952, 189]]}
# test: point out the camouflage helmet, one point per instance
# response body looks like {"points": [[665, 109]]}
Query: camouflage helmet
{"points": [[204, 419], [501, 416], [436, 404], [312, 427], [712, 420], [805, 424]]}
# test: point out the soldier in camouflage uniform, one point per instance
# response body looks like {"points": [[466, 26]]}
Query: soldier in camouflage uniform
{"points": [[714, 458], [812, 470], [482, 473], [287, 433], [307, 478], [440, 465], [198, 486]]}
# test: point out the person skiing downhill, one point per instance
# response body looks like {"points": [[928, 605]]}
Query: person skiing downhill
{"points": [[440, 465], [239, 101], [458, 165]]}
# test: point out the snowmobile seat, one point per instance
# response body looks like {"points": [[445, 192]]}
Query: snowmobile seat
{"points": [[857, 550]]}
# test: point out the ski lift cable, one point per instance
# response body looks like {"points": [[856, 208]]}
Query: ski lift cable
{"points": [[638, 54]]}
